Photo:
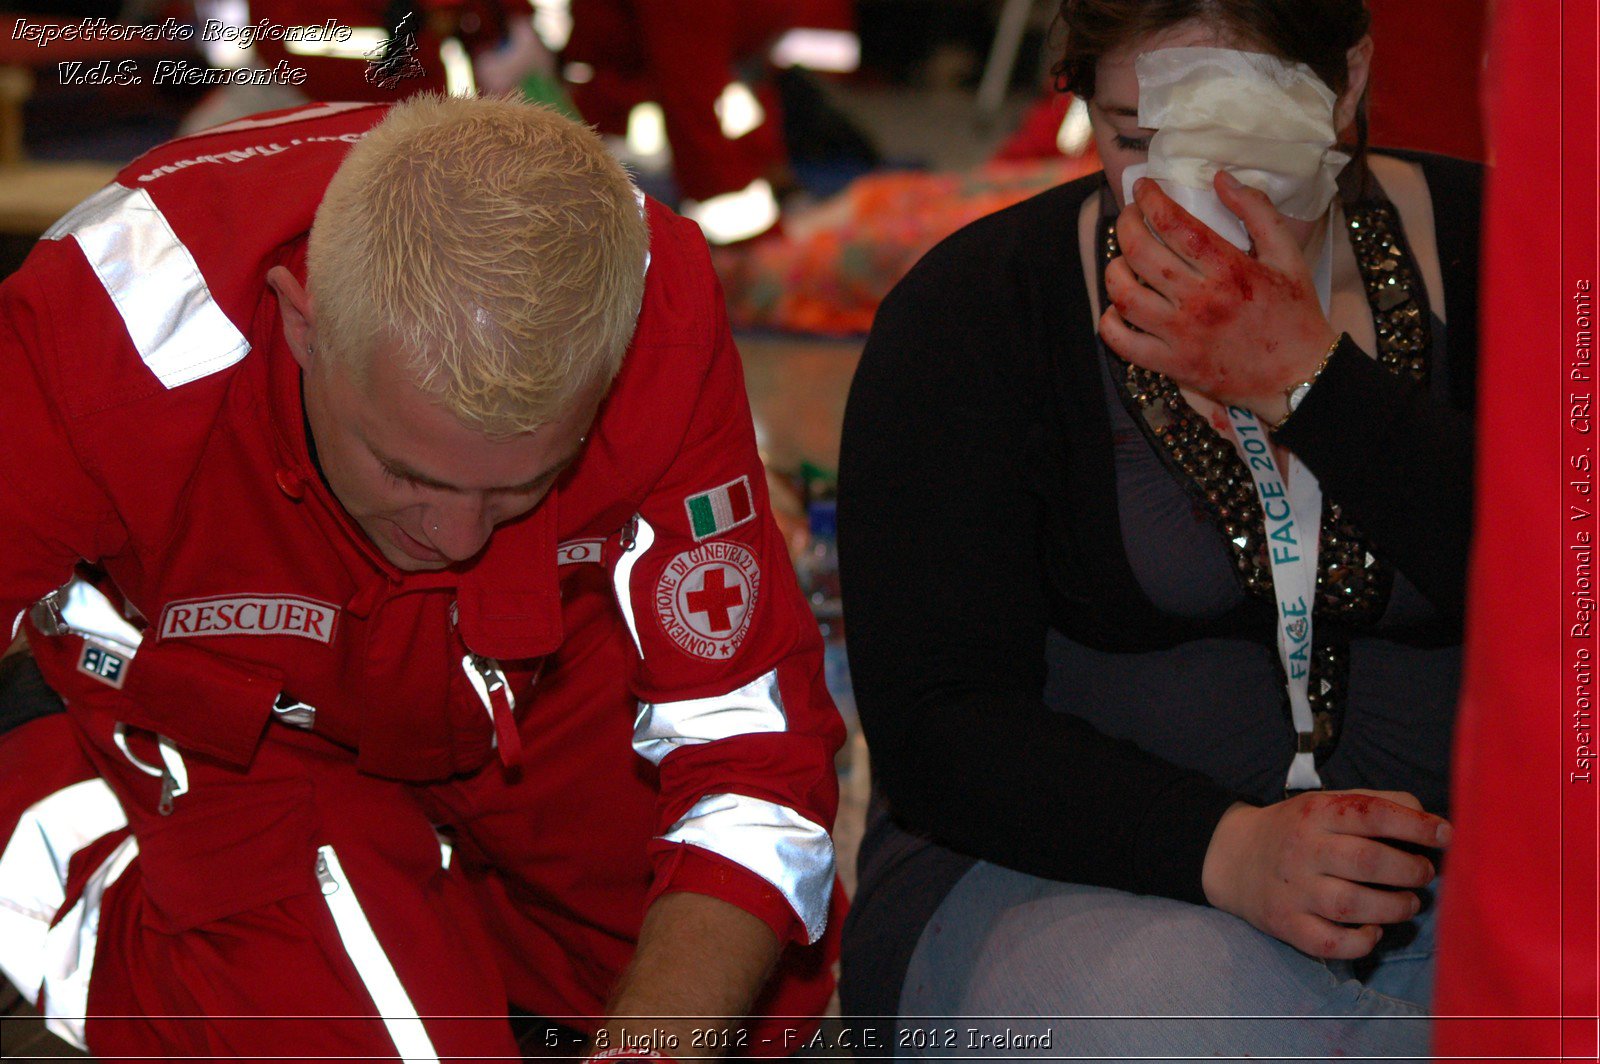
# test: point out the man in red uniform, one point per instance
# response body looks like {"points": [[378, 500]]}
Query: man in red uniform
{"points": [[459, 662]]}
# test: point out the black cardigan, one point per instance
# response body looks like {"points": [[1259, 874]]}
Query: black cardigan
{"points": [[978, 509]]}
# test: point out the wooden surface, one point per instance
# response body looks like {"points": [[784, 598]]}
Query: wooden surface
{"points": [[797, 388]]}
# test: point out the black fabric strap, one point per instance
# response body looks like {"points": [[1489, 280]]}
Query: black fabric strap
{"points": [[24, 696]]}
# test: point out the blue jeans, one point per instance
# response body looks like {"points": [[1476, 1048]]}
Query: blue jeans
{"points": [[1108, 974]]}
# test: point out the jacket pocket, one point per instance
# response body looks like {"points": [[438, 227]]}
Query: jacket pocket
{"points": [[229, 852]]}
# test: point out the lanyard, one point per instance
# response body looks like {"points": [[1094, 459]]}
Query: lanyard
{"points": [[1292, 513]]}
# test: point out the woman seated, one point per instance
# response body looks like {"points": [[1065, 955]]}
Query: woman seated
{"points": [[1154, 553]]}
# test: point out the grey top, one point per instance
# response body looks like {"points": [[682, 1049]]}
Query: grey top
{"points": [[1216, 705]]}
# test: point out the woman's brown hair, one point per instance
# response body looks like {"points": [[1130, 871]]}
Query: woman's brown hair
{"points": [[1318, 33]]}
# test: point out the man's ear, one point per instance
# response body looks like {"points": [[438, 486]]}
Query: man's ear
{"points": [[1358, 61], [294, 305]]}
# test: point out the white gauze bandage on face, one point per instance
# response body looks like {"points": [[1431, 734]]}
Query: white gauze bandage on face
{"points": [[1268, 122]]}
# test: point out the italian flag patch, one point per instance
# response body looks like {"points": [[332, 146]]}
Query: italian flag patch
{"points": [[714, 512]]}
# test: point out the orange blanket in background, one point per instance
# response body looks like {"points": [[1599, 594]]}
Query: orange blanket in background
{"points": [[833, 264]]}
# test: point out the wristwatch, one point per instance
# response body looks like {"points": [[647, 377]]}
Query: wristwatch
{"points": [[1296, 393]]}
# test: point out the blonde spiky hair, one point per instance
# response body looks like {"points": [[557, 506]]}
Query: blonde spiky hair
{"points": [[494, 243]]}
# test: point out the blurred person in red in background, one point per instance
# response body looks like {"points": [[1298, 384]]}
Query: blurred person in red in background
{"points": [[391, 50], [725, 132]]}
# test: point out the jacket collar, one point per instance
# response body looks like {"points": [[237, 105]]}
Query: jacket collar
{"points": [[508, 598]]}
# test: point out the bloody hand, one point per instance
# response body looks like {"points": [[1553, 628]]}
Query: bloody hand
{"points": [[1318, 871], [1238, 328]]}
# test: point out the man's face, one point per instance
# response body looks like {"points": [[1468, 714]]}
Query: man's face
{"points": [[425, 488]]}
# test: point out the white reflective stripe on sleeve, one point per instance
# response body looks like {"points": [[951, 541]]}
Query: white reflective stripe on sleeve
{"points": [[643, 538], [178, 329], [458, 76], [69, 950], [771, 840], [738, 111], [362, 43], [735, 216], [87, 212], [1076, 132], [662, 727], [394, 1005], [828, 51], [33, 872]]}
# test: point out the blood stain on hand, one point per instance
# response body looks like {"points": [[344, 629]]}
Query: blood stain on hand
{"points": [[1209, 313], [1359, 804], [1240, 281]]}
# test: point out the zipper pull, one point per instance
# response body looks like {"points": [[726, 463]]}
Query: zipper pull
{"points": [[169, 791], [47, 617], [630, 533], [493, 688], [489, 680], [174, 775], [325, 878]]}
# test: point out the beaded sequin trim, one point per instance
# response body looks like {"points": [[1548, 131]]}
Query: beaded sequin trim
{"points": [[1353, 586]]}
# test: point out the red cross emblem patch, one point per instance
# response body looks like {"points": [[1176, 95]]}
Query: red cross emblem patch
{"points": [[706, 597]]}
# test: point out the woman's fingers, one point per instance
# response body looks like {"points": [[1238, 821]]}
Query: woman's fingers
{"points": [[1271, 237], [1301, 867], [1410, 801], [1137, 347], [1324, 938], [1363, 860], [1235, 328], [1183, 236], [1156, 263], [1345, 902], [1141, 306], [1372, 816]]}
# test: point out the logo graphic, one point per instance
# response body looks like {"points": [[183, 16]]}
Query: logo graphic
{"points": [[250, 615], [706, 597], [579, 551], [713, 512], [396, 58], [104, 664], [1296, 629]]}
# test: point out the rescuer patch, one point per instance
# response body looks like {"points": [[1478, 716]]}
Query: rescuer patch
{"points": [[249, 615]]}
